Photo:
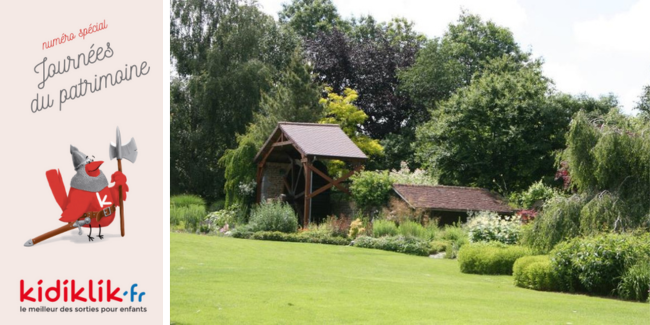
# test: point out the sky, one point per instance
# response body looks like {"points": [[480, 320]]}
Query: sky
{"points": [[592, 47]]}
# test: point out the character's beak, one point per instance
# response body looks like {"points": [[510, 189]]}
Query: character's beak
{"points": [[92, 168]]}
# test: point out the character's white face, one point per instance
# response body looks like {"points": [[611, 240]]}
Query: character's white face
{"points": [[89, 159]]}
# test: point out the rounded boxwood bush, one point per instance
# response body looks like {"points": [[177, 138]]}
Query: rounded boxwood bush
{"points": [[489, 258], [535, 272]]}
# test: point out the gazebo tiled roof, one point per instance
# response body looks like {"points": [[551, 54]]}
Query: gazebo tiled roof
{"points": [[317, 140], [451, 198]]}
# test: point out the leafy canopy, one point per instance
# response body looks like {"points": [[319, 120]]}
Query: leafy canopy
{"points": [[498, 133], [448, 63], [221, 87], [307, 17]]}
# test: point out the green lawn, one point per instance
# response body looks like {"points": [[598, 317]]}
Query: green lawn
{"points": [[236, 281]]}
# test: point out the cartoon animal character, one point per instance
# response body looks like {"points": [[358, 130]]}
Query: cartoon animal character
{"points": [[90, 195]]}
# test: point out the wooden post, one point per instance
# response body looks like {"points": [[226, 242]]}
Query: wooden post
{"points": [[307, 172]]}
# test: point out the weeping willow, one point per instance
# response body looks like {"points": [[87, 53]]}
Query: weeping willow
{"points": [[609, 165]]}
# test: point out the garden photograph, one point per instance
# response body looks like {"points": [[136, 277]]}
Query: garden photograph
{"points": [[409, 162]]}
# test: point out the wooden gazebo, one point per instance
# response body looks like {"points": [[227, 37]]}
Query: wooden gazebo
{"points": [[299, 149]]}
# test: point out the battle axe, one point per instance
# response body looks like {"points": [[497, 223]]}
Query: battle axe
{"points": [[129, 152]]}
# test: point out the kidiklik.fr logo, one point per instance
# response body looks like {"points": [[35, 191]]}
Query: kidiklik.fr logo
{"points": [[72, 291]]}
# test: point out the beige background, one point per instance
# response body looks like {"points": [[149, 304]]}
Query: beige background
{"points": [[33, 143]]}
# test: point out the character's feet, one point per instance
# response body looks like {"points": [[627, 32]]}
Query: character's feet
{"points": [[90, 238], [101, 236]]}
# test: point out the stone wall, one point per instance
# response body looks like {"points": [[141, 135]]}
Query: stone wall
{"points": [[272, 180]]}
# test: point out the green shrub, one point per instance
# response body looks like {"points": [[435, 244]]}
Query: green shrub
{"points": [[305, 237], [489, 258], [244, 232], [413, 229], [635, 283], [438, 246], [371, 189], [187, 210], [597, 264], [217, 205], [538, 192], [274, 216], [218, 219], [174, 217], [487, 226], [432, 230], [535, 272], [230, 216], [456, 236], [190, 216], [400, 244], [186, 200], [381, 228]]}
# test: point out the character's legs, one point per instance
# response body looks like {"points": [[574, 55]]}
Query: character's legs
{"points": [[90, 233], [100, 232]]}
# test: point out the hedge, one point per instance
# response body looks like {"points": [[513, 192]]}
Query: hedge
{"points": [[489, 258], [597, 264], [400, 244], [535, 272], [294, 237]]}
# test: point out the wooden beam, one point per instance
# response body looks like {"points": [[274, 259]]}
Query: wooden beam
{"points": [[307, 213], [327, 178], [337, 182], [282, 143], [266, 156]]}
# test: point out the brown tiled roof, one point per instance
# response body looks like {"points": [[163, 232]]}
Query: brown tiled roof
{"points": [[313, 139], [451, 198]]}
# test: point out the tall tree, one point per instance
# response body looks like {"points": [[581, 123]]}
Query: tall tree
{"points": [[307, 17], [367, 60], [448, 63], [643, 105], [294, 98], [499, 132], [192, 27], [247, 49]]}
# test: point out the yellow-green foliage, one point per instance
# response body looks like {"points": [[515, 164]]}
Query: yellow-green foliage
{"points": [[535, 272], [356, 229], [341, 110]]}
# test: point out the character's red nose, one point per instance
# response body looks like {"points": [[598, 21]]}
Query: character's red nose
{"points": [[92, 168]]}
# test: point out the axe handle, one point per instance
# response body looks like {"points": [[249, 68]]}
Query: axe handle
{"points": [[119, 167], [53, 233]]}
